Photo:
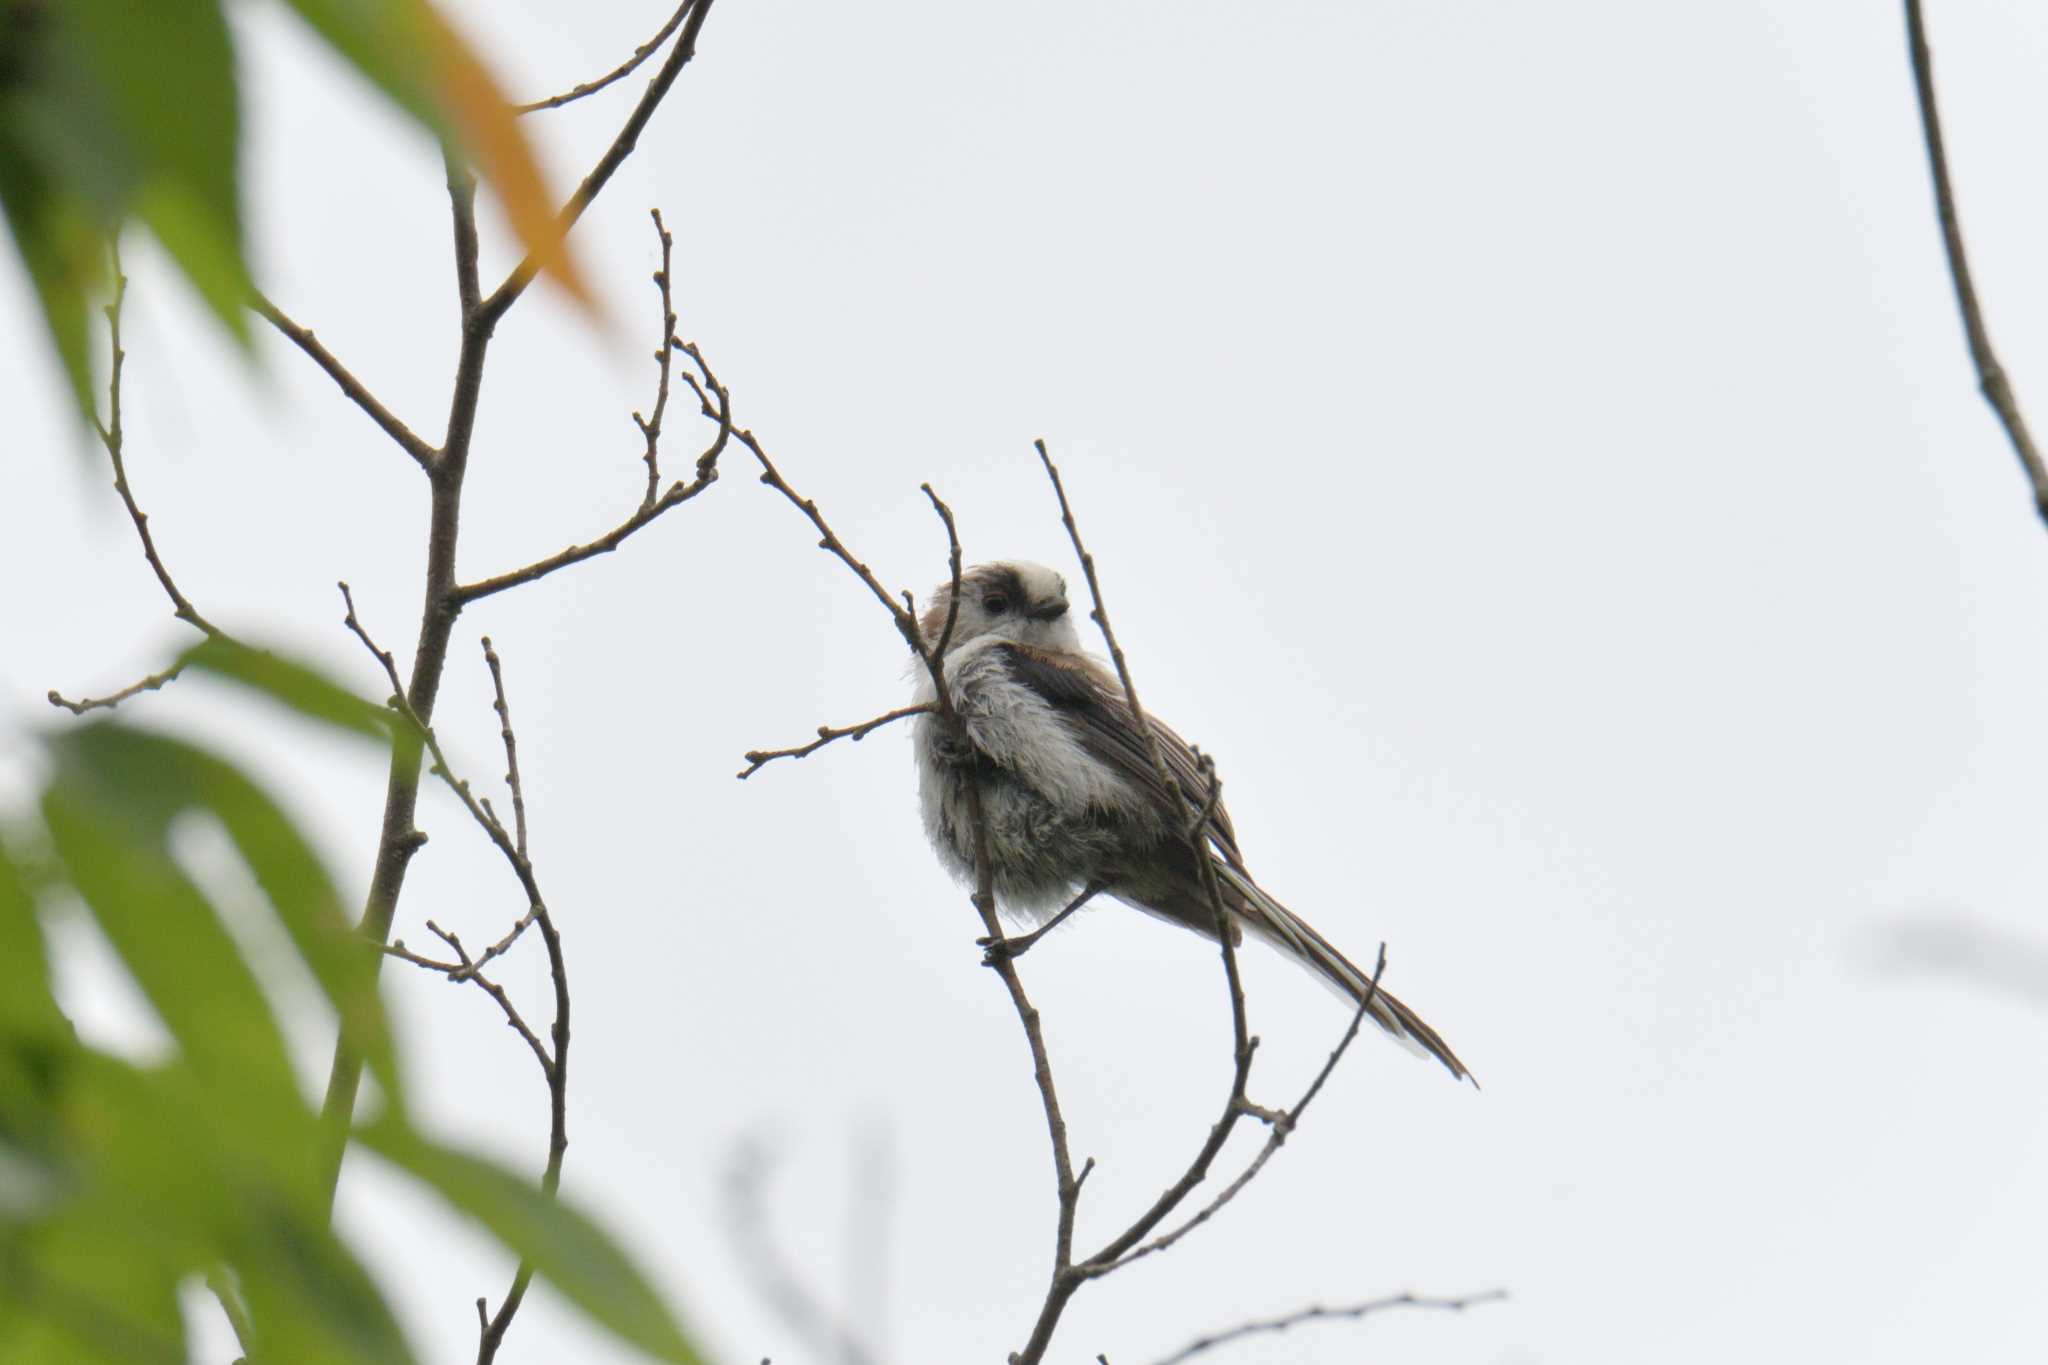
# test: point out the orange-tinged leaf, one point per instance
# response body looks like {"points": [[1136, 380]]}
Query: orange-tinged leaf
{"points": [[417, 58], [488, 128]]}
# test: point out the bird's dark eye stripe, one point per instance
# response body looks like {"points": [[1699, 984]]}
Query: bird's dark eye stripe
{"points": [[995, 604]]}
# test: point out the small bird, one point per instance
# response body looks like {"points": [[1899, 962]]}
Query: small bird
{"points": [[1073, 805]]}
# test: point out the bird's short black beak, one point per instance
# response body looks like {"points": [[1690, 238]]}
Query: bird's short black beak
{"points": [[1050, 611]]}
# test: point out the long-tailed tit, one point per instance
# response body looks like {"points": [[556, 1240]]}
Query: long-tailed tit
{"points": [[1073, 805]]}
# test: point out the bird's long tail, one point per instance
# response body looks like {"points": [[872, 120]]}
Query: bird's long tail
{"points": [[1287, 931]]}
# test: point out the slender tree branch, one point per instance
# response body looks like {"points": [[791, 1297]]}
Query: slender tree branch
{"points": [[351, 387], [1279, 1127], [1991, 378], [650, 427], [497, 667], [149, 683], [515, 284], [715, 403], [464, 968], [1067, 1183], [113, 438], [558, 1075], [617, 73], [554, 1065], [442, 602], [758, 758], [1317, 1313]]}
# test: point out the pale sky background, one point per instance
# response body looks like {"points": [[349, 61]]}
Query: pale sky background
{"points": [[1530, 445]]}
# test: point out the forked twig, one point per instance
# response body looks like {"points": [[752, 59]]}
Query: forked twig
{"points": [[713, 401]]}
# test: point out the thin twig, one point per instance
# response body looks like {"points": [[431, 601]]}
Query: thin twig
{"points": [[113, 437], [399, 838], [758, 758], [497, 668], [554, 1065], [1279, 1127], [1069, 1275], [650, 427], [829, 541], [715, 402], [1317, 1313], [1067, 1184], [464, 968], [558, 1076], [522, 275], [423, 454], [149, 683], [1991, 378], [617, 73]]}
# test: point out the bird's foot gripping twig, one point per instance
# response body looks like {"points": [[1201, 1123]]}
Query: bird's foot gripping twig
{"points": [[994, 950]]}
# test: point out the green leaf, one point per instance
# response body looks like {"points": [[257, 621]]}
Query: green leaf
{"points": [[28, 1009], [108, 807], [167, 70], [172, 1180], [143, 781], [565, 1247], [302, 687], [309, 1299], [61, 247]]}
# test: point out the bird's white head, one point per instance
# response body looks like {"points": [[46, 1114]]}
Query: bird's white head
{"points": [[1013, 600]]}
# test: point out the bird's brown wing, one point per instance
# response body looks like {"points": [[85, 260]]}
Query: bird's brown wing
{"points": [[1092, 703]]}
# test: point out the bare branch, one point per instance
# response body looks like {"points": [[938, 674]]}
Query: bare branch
{"points": [[1279, 1125], [713, 400], [463, 968], [758, 758], [1067, 1184], [497, 668], [84, 704], [113, 437], [650, 428], [617, 73], [558, 1075], [515, 284], [1991, 378], [443, 602], [352, 388], [829, 541], [1317, 1313]]}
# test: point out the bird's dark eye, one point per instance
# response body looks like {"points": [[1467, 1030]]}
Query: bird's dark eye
{"points": [[995, 604]]}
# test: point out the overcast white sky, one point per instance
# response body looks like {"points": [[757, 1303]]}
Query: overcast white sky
{"points": [[1530, 445]]}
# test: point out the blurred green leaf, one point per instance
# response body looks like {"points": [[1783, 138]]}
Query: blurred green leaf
{"points": [[61, 245], [167, 70], [108, 807], [134, 784], [111, 109], [170, 1181], [309, 1298], [567, 1249], [28, 1009], [299, 686]]}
